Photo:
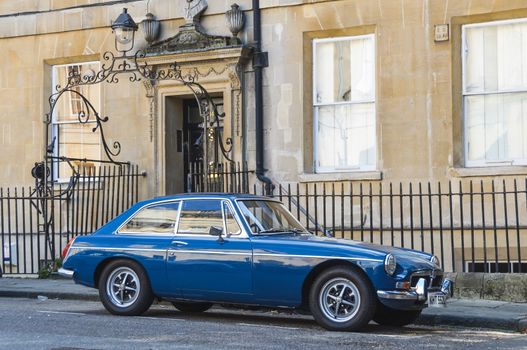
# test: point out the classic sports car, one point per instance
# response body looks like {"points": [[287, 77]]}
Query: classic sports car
{"points": [[198, 249]]}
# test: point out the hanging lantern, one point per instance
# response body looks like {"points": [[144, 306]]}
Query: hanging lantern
{"points": [[124, 29]]}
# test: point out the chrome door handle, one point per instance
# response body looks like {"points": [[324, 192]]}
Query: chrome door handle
{"points": [[179, 243]]}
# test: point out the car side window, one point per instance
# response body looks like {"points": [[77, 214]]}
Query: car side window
{"points": [[198, 216], [160, 218], [232, 226]]}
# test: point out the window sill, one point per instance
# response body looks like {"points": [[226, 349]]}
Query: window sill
{"points": [[328, 177], [488, 171]]}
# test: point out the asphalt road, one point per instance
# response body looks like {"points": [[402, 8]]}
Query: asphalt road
{"points": [[59, 324]]}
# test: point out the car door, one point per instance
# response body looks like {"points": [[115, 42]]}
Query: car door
{"points": [[206, 266]]}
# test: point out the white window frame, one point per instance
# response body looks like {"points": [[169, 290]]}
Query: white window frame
{"points": [[465, 93], [55, 123], [316, 105]]}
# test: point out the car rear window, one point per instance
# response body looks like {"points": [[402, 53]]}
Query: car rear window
{"points": [[155, 219]]}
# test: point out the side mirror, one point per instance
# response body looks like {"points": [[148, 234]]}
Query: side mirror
{"points": [[216, 231]]}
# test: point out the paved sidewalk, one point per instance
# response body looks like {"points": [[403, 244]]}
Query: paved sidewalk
{"points": [[460, 312]]}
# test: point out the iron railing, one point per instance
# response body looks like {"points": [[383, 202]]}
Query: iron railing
{"points": [[472, 226], [98, 195], [222, 177]]}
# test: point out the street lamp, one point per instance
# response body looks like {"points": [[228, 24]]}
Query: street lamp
{"points": [[124, 29]]}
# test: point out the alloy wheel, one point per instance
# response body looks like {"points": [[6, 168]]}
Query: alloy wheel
{"points": [[339, 299]]}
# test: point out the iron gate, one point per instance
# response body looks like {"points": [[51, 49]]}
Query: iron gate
{"points": [[30, 244]]}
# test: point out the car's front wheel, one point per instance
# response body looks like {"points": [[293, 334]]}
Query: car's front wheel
{"points": [[342, 299], [386, 316], [191, 307], [124, 288]]}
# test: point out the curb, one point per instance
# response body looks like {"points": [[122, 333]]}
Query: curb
{"points": [[50, 295], [517, 325]]}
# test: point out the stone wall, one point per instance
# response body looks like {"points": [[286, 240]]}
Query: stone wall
{"points": [[417, 128], [490, 286]]}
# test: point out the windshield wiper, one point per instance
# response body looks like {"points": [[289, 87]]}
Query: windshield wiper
{"points": [[282, 230], [272, 230]]}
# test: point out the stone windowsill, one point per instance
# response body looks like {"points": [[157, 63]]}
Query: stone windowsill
{"points": [[488, 171], [328, 177]]}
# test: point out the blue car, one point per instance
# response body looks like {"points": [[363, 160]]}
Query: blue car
{"points": [[195, 250]]}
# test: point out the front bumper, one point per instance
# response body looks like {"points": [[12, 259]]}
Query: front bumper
{"points": [[417, 294], [65, 273]]}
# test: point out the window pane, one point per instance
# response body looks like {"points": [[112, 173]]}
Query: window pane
{"points": [[77, 141], [198, 216], [267, 215], [70, 104], [496, 127], [74, 139], [496, 57], [155, 219], [233, 228], [346, 137], [345, 70]]}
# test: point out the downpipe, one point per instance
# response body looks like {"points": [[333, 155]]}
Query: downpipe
{"points": [[259, 62]]}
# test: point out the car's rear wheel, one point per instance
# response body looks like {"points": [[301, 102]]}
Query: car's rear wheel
{"points": [[191, 307], [124, 288], [342, 299], [391, 317]]}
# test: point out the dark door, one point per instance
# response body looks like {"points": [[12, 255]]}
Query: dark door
{"points": [[193, 143]]}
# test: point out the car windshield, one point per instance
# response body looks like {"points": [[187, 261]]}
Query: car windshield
{"points": [[269, 217]]}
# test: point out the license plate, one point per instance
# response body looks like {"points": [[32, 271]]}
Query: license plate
{"points": [[436, 300]]}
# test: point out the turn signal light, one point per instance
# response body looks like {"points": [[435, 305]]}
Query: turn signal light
{"points": [[67, 247]]}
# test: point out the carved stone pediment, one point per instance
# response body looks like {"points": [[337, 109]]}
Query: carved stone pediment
{"points": [[192, 38]]}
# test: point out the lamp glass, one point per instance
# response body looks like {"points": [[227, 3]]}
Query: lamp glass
{"points": [[124, 35]]}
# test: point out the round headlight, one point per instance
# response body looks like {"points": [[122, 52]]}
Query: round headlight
{"points": [[390, 264], [435, 260]]}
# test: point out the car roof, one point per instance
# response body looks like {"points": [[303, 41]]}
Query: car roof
{"points": [[218, 195]]}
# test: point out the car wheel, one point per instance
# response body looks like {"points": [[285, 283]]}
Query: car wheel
{"points": [[124, 288], [386, 316], [342, 299], [191, 307]]}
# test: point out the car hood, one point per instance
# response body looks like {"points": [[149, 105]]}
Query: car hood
{"points": [[347, 246]]}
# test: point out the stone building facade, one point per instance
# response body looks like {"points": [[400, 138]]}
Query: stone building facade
{"points": [[355, 90]]}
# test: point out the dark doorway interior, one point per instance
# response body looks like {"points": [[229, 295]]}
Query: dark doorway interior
{"points": [[193, 138], [184, 141]]}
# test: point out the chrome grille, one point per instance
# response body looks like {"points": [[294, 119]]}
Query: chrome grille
{"points": [[427, 275]]}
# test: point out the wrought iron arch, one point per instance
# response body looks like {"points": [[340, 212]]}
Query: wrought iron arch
{"points": [[135, 68]]}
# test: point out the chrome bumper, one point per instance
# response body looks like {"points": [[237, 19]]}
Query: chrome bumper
{"points": [[419, 293], [65, 273]]}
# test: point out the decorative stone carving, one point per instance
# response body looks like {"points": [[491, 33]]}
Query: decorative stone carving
{"points": [[194, 10], [191, 36], [235, 19], [150, 28], [234, 76]]}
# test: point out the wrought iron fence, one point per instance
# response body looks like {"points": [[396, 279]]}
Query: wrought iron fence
{"points": [[472, 226], [222, 177], [96, 196]]}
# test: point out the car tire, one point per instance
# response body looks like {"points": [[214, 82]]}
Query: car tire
{"points": [[191, 307], [342, 299], [387, 316], [124, 288]]}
